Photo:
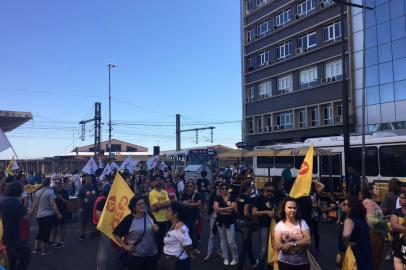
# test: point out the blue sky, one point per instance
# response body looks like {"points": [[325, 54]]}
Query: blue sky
{"points": [[172, 57]]}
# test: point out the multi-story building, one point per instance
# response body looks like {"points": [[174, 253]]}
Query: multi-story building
{"points": [[385, 64], [292, 70]]}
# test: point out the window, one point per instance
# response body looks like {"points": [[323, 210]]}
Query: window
{"points": [[264, 58], [326, 2], [284, 121], [268, 123], [283, 17], [285, 84], [302, 119], [371, 158], [308, 76], [114, 148], [265, 162], [339, 113], [306, 42], [314, 117], [250, 126], [131, 149], [259, 124], [284, 50], [334, 69], [250, 67], [283, 162], [332, 31], [250, 5], [250, 35], [265, 89], [251, 93], [263, 28], [305, 7], [327, 115], [393, 160], [260, 2]]}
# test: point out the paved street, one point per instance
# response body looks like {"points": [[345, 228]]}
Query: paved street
{"points": [[82, 255]]}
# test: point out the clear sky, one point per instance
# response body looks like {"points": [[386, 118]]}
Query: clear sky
{"points": [[179, 56]]}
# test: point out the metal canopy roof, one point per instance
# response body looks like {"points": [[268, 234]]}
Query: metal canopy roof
{"points": [[10, 120]]}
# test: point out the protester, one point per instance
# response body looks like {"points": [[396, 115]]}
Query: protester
{"points": [[264, 209], [203, 188], [191, 201], [388, 205], [159, 203], [287, 178], [170, 188], [225, 207], [177, 243], [138, 230], [46, 212], [61, 201], [12, 212], [377, 225], [356, 232], [316, 189], [246, 225], [398, 225], [212, 242], [292, 237], [87, 196], [104, 241]]}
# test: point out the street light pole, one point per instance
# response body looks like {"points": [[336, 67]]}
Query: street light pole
{"points": [[110, 66]]}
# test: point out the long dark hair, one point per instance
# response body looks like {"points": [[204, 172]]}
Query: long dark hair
{"points": [[178, 210], [357, 210], [368, 193], [133, 202], [281, 210], [245, 186]]}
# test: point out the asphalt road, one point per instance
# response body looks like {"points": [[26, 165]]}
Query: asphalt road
{"points": [[82, 254]]}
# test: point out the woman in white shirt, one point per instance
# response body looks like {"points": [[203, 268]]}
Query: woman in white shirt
{"points": [[177, 242], [292, 237]]}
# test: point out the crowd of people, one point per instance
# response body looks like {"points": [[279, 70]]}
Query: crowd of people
{"points": [[168, 214]]}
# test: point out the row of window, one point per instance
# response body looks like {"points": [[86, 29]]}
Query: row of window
{"points": [[307, 78], [304, 43], [282, 19], [313, 116]]}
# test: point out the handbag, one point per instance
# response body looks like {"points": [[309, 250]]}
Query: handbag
{"points": [[314, 265]]}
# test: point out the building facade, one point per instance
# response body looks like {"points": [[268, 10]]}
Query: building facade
{"points": [[384, 56], [292, 70]]}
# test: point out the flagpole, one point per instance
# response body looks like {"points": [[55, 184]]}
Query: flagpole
{"points": [[18, 160]]}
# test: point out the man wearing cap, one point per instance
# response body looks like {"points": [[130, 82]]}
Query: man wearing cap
{"points": [[159, 203]]}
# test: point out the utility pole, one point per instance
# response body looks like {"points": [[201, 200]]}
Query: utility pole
{"points": [[179, 131], [110, 66], [344, 87], [97, 128]]}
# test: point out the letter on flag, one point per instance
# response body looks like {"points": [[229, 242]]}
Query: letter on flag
{"points": [[4, 142], [152, 162], [116, 207], [90, 167], [303, 181]]}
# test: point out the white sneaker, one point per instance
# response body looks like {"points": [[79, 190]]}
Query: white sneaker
{"points": [[226, 262], [234, 262]]}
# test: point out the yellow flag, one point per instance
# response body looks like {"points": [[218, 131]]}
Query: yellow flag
{"points": [[9, 168], [272, 252], [303, 181], [116, 207], [349, 262]]}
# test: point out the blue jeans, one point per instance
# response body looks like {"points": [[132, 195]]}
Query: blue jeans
{"points": [[227, 239], [263, 251], [212, 243], [103, 252]]}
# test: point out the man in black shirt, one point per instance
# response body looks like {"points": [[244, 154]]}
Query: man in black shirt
{"points": [[12, 212], [203, 188], [87, 196], [265, 209], [191, 201]]}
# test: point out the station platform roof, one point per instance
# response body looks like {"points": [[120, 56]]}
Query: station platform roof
{"points": [[10, 120]]}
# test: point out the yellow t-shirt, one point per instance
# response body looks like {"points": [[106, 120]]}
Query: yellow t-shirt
{"points": [[159, 196]]}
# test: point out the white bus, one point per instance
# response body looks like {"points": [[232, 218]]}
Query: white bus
{"points": [[385, 159]]}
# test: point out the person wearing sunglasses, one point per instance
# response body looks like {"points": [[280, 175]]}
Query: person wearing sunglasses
{"points": [[356, 232], [191, 201], [264, 209], [226, 207], [398, 224]]}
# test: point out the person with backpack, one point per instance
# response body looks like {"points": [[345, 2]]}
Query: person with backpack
{"points": [[104, 241]]}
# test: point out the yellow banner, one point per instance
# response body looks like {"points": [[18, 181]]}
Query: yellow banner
{"points": [[349, 262], [272, 251], [303, 181], [116, 207]]}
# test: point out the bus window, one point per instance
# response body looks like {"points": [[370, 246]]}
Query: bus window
{"points": [[393, 160], [283, 162], [299, 161], [336, 161], [264, 162], [371, 160]]}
